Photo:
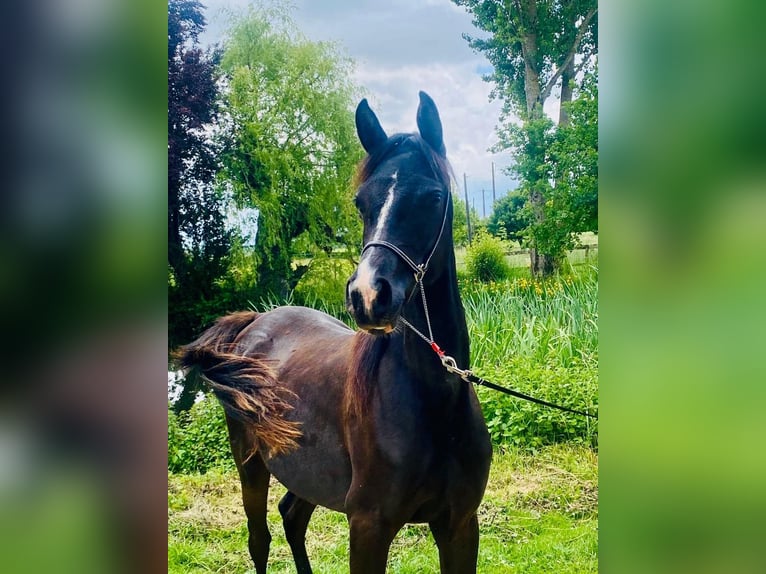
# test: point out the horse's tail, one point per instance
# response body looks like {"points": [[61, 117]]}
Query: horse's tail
{"points": [[246, 387]]}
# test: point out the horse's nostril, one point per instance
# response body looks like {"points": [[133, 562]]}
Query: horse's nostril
{"points": [[355, 299], [383, 293]]}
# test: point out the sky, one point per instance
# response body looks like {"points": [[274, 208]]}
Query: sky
{"points": [[401, 47]]}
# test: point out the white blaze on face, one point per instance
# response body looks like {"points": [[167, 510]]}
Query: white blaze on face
{"points": [[385, 210], [364, 284], [364, 273]]}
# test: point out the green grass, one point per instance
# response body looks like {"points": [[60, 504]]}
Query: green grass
{"points": [[553, 319], [539, 515], [539, 337]]}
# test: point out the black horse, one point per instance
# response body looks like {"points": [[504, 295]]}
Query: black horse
{"points": [[368, 423]]}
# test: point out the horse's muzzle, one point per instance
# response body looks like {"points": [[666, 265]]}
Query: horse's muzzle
{"points": [[373, 302]]}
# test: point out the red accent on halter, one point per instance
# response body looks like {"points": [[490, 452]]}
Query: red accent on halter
{"points": [[437, 349]]}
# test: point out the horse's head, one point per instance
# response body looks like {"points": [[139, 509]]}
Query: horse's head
{"points": [[404, 201]]}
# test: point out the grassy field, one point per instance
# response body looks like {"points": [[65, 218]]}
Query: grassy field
{"points": [[539, 515]]}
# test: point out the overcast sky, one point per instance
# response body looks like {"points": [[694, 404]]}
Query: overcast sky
{"points": [[400, 47]]}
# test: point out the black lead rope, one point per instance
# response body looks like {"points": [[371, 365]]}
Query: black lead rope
{"points": [[465, 374], [479, 381]]}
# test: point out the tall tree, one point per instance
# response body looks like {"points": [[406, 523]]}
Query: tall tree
{"points": [[294, 147], [198, 241], [534, 46]]}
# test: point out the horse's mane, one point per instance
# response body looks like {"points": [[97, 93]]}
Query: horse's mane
{"points": [[366, 353], [397, 142]]}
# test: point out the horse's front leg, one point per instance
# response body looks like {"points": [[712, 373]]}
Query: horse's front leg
{"points": [[371, 538], [458, 543]]}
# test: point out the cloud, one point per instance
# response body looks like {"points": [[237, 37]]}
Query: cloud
{"points": [[468, 117]]}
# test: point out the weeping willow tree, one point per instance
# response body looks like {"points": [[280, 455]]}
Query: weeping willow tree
{"points": [[293, 147]]}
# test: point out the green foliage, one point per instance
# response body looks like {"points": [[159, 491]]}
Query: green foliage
{"points": [[323, 286], [533, 34], [530, 143], [508, 220], [485, 258], [539, 337], [523, 424], [532, 47], [198, 241], [294, 146], [198, 440], [459, 226], [574, 156], [548, 229], [569, 156]]}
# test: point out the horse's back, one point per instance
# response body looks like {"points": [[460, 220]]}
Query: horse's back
{"points": [[310, 352], [281, 332]]}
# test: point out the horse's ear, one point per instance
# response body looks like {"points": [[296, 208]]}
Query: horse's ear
{"points": [[368, 127], [430, 125]]}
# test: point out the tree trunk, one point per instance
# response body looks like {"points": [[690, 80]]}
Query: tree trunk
{"points": [[540, 263], [567, 77], [532, 88]]}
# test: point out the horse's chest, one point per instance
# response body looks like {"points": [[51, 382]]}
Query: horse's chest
{"points": [[435, 470], [422, 458], [453, 480]]}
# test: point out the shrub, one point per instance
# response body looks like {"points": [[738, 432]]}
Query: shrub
{"points": [[522, 424], [539, 337], [323, 286], [485, 259], [198, 439]]}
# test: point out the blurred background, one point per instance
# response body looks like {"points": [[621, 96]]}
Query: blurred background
{"points": [[682, 313], [82, 259], [83, 276]]}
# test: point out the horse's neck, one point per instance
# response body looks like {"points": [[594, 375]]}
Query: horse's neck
{"points": [[449, 331]]}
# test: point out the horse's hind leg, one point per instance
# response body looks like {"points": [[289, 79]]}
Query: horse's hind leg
{"points": [[254, 477], [296, 514], [255, 490]]}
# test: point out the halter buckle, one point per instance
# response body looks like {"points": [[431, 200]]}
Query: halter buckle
{"points": [[420, 271]]}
